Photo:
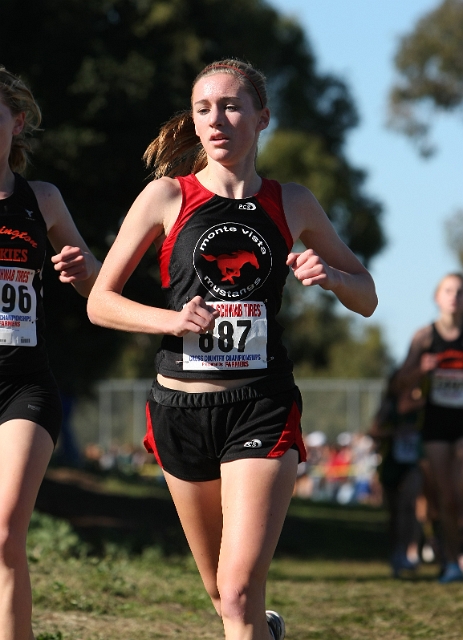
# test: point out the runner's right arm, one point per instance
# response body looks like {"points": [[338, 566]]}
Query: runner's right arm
{"points": [[147, 221]]}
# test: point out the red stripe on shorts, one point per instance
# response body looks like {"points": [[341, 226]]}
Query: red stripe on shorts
{"points": [[148, 441], [291, 435]]}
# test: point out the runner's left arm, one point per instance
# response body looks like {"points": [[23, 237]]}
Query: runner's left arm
{"points": [[328, 261], [73, 260]]}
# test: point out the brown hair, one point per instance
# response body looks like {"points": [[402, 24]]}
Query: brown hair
{"points": [[177, 150], [18, 98]]}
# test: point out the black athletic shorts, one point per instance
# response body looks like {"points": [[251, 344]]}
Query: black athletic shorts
{"points": [[33, 397], [192, 434], [442, 424]]}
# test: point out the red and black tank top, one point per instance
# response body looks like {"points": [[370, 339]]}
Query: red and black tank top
{"points": [[446, 388], [232, 253], [23, 240]]}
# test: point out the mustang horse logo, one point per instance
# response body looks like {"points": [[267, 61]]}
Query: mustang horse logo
{"points": [[230, 264]]}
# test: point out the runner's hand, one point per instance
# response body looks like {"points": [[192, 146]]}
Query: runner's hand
{"points": [[196, 316], [428, 362], [310, 269], [73, 264]]}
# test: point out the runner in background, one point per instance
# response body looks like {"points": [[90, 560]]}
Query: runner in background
{"points": [[224, 411], [435, 360], [30, 409], [396, 429]]}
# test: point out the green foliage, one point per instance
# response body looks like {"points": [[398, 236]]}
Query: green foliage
{"points": [[454, 234], [360, 356], [107, 73], [324, 343], [305, 157], [337, 585], [50, 537], [430, 63]]}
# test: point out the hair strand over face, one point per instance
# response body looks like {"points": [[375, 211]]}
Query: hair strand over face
{"points": [[19, 99]]}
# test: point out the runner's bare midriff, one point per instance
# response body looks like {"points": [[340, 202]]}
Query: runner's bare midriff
{"points": [[202, 386]]}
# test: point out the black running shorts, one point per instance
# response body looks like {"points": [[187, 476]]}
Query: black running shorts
{"points": [[192, 434], [33, 397], [442, 424]]}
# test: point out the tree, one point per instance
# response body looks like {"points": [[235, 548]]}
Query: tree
{"points": [[324, 343], [454, 234], [430, 63], [107, 73], [293, 155]]}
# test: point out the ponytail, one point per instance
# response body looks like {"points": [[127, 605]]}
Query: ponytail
{"points": [[177, 150]]}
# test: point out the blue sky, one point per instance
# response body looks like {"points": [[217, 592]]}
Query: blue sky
{"points": [[356, 40]]}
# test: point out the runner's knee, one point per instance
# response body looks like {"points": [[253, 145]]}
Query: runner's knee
{"points": [[12, 548], [237, 597]]}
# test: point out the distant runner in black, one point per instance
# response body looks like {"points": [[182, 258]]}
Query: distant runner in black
{"points": [[435, 359]]}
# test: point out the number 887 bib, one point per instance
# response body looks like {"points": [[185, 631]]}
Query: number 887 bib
{"points": [[238, 341]]}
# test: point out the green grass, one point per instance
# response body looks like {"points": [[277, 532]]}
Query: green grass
{"points": [[330, 580]]}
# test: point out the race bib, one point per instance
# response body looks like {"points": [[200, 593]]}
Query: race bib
{"points": [[406, 446], [238, 341], [447, 388], [17, 308]]}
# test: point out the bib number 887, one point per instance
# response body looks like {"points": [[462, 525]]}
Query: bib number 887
{"points": [[226, 337]]}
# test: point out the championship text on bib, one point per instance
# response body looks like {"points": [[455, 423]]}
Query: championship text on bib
{"points": [[17, 308], [239, 339], [447, 388]]}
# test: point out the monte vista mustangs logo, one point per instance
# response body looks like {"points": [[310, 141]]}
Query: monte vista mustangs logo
{"points": [[232, 260]]}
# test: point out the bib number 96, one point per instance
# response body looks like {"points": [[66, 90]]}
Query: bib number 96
{"points": [[11, 296]]}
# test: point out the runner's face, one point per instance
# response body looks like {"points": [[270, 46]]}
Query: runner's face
{"points": [[10, 126], [449, 295], [225, 118]]}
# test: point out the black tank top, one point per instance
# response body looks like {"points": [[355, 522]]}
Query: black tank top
{"points": [[23, 239], [446, 388], [233, 254]]}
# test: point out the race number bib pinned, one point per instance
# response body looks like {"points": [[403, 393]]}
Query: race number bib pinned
{"points": [[238, 341], [406, 446], [447, 388], [17, 308]]}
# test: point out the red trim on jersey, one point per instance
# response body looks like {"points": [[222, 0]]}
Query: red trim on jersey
{"points": [[194, 195], [291, 435], [148, 441], [450, 359], [271, 199]]}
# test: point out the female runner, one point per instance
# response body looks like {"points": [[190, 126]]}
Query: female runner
{"points": [[224, 412], [435, 358], [30, 409]]}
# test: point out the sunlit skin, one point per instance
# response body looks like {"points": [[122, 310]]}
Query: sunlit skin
{"points": [[227, 122], [449, 296]]}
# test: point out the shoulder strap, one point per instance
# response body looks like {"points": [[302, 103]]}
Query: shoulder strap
{"points": [[25, 196], [271, 199]]}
